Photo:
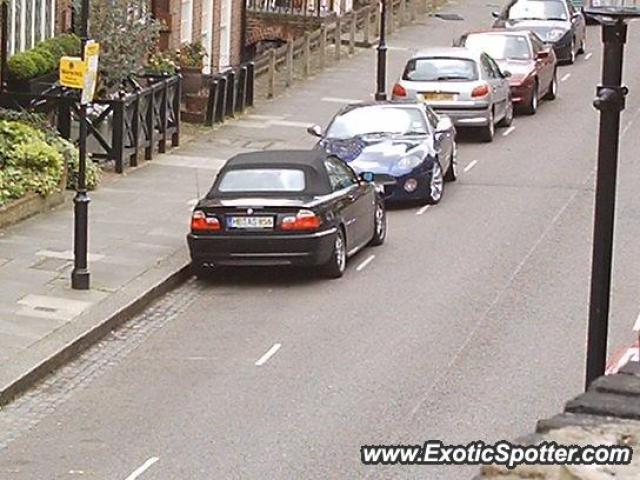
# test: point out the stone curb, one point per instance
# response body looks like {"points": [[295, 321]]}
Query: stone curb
{"points": [[70, 341]]}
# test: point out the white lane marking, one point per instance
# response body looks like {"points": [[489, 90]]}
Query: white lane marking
{"points": [[508, 131], [423, 209], [565, 77], [470, 166], [636, 326], [142, 468], [265, 358], [588, 56], [366, 262], [340, 100]]}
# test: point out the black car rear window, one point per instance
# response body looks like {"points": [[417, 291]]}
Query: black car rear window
{"points": [[263, 180], [437, 69]]}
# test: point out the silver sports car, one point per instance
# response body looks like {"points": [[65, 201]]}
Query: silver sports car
{"points": [[467, 86]]}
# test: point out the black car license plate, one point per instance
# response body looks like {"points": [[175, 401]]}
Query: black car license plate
{"points": [[250, 223]]}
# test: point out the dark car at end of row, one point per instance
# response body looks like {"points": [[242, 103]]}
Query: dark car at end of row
{"points": [[286, 208], [557, 22]]}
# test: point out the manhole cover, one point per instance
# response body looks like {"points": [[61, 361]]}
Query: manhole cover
{"points": [[449, 16]]}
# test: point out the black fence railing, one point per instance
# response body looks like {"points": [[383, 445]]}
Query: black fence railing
{"points": [[120, 129], [230, 92], [307, 8]]}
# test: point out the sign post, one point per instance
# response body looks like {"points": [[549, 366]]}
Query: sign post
{"points": [[81, 73]]}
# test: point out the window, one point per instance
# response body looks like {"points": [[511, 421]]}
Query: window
{"points": [[435, 69], [186, 21], [29, 22], [500, 47], [495, 68], [340, 174], [537, 44], [263, 180], [539, 10], [375, 120]]}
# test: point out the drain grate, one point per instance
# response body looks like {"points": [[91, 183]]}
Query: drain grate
{"points": [[449, 16]]}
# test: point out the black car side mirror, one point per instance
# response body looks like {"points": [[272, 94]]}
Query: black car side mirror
{"points": [[543, 54], [495, 14], [367, 177], [506, 74], [315, 130]]}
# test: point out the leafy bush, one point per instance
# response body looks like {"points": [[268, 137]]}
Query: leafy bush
{"points": [[127, 33], [32, 159], [22, 66], [43, 58]]}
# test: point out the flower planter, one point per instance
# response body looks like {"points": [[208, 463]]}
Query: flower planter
{"points": [[33, 86], [191, 80]]}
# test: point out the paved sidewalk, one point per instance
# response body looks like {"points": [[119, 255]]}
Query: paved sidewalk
{"points": [[138, 221]]}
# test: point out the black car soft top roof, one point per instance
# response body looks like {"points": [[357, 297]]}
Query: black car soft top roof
{"points": [[311, 161]]}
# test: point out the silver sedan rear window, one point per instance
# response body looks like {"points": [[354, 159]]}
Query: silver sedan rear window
{"points": [[440, 69]]}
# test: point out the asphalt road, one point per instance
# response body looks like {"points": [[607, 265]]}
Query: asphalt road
{"points": [[469, 323]]}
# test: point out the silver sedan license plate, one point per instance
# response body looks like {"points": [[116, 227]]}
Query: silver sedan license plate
{"points": [[259, 223]]}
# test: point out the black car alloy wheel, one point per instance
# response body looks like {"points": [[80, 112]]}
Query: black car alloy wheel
{"points": [[337, 264], [380, 222]]}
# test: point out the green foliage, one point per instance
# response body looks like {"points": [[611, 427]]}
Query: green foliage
{"points": [[22, 66], [127, 35], [161, 63], [93, 173], [32, 159], [43, 58], [191, 55]]}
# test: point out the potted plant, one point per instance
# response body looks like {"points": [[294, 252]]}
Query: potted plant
{"points": [[160, 64], [191, 60]]}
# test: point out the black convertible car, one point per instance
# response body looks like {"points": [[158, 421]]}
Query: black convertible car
{"points": [[286, 208], [410, 149]]}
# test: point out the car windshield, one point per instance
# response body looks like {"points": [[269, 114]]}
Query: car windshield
{"points": [[501, 47], [263, 180], [435, 69], [538, 10], [377, 120]]}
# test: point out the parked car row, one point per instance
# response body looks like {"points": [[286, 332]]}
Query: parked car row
{"points": [[319, 207]]}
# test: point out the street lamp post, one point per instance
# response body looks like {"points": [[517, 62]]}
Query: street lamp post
{"points": [[610, 101], [381, 88], [80, 276]]}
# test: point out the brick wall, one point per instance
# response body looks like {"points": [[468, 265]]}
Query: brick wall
{"points": [[271, 26]]}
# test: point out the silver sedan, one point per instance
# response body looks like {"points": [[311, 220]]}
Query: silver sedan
{"points": [[465, 85]]}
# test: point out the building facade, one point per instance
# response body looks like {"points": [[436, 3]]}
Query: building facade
{"points": [[217, 24]]}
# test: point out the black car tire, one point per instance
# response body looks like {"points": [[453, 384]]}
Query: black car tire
{"points": [[508, 116], [337, 264], [433, 198], [451, 174], [552, 93], [532, 107], [487, 133], [379, 225]]}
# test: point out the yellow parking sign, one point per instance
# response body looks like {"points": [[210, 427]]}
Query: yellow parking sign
{"points": [[72, 71]]}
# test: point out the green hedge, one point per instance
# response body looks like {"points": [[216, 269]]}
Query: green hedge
{"points": [[43, 58], [33, 158]]}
